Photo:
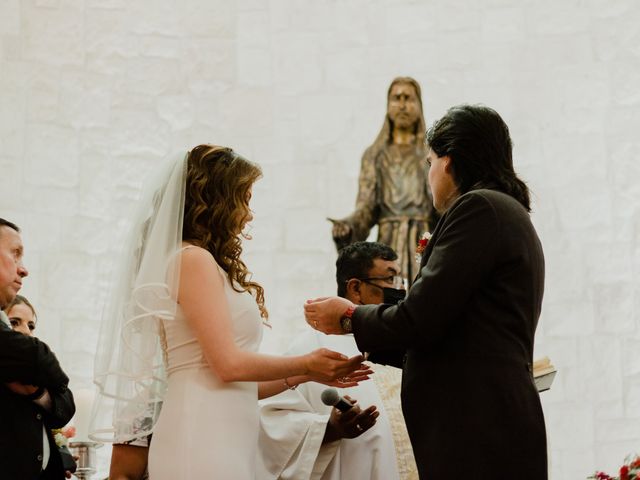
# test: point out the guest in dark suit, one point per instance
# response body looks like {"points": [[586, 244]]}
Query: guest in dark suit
{"points": [[33, 387], [469, 320]]}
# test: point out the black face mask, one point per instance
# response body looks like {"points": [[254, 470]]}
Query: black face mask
{"points": [[393, 295]]}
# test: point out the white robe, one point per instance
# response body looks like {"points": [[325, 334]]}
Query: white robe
{"points": [[293, 423]]}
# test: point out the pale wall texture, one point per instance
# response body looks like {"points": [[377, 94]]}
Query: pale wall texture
{"points": [[94, 92]]}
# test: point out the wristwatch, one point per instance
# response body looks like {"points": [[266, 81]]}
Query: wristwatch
{"points": [[345, 320]]}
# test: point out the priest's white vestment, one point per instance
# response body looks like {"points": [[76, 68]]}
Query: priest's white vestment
{"points": [[292, 425]]}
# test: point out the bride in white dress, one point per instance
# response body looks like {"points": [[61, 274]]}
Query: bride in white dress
{"points": [[188, 325]]}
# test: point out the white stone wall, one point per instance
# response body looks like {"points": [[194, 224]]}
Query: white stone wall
{"points": [[93, 92]]}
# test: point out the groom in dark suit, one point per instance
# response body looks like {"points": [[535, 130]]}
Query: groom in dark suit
{"points": [[33, 388], [469, 320]]}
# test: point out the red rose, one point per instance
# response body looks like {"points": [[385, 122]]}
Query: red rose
{"points": [[635, 463], [624, 472], [422, 245]]}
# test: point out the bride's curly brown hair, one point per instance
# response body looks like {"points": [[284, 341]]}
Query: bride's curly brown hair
{"points": [[216, 208]]}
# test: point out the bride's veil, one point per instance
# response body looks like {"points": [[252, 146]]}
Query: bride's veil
{"points": [[129, 365]]}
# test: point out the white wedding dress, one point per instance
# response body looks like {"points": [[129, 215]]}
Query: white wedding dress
{"points": [[207, 429]]}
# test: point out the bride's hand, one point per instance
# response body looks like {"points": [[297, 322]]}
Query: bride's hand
{"points": [[326, 365], [350, 380]]}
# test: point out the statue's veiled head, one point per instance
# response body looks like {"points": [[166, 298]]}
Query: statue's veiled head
{"points": [[404, 103], [404, 110]]}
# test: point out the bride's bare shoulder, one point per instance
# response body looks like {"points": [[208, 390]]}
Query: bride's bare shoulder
{"points": [[199, 273], [193, 256]]}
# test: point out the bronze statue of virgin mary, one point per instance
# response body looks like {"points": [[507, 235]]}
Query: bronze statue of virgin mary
{"points": [[393, 185]]}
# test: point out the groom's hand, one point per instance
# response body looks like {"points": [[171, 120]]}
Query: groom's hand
{"points": [[350, 424], [323, 314]]}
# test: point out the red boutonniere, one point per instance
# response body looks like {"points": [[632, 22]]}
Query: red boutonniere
{"points": [[422, 245]]}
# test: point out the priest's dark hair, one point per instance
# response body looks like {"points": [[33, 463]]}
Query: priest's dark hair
{"points": [[355, 261], [478, 142]]}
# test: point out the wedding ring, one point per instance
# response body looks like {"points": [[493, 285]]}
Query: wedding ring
{"points": [[343, 380], [315, 324], [359, 428]]}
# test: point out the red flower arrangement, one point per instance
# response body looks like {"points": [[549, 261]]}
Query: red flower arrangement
{"points": [[629, 471]]}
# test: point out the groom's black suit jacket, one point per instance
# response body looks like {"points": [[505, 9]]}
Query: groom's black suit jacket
{"points": [[30, 361], [468, 325]]}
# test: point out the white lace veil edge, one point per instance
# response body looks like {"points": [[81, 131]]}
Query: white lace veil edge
{"points": [[129, 369]]}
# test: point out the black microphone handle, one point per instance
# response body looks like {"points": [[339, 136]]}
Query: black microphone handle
{"points": [[343, 405]]}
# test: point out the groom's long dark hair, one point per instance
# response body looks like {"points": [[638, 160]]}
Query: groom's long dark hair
{"points": [[478, 142]]}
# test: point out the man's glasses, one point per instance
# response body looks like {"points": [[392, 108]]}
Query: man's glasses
{"points": [[393, 281]]}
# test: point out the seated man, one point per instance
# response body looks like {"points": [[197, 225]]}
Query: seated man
{"points": [[301, 438], [33, 387]]}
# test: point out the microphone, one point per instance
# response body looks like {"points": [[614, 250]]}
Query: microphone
{"points": [[331, 398]]}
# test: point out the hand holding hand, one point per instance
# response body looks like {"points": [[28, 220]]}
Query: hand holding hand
{"points": [[323, 314], [350, 424]]}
